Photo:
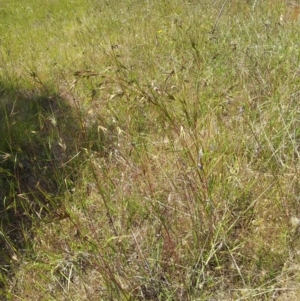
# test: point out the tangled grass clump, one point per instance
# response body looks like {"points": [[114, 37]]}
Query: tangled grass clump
{"points": [[162, 164]]}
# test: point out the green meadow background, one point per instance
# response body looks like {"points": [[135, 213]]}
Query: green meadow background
{"points": [[149, 150]]}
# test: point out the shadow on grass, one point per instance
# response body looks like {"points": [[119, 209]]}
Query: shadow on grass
{"points": [[40, 141]]}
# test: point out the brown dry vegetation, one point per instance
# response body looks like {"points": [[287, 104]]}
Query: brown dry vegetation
{"points": [[150, 151]]}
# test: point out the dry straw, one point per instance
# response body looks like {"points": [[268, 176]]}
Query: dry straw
{"points": [[291, 13]]}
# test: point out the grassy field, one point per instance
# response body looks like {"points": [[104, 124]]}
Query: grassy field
{"points": [[150, 150]]}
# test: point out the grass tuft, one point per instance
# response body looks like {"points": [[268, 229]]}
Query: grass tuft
{"points": [[148, 151]]}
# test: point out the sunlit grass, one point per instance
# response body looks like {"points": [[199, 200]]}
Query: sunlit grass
{"points": [[149, 151]]}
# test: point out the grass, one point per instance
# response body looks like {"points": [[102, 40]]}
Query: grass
{"points": [[149, 151]]}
